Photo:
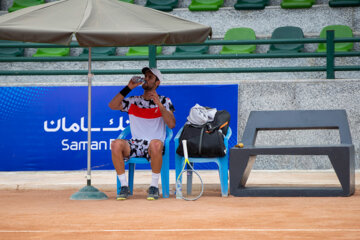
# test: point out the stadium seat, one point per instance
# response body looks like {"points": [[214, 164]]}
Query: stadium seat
{"points": [[162, 5], [191, 50], [141, 51], [297, 3], [52, 52], [19, 4], [99, 51], [287, 32], [344, 3], [239, 34], [205, 5], [250, 4], [341, 31], [165, 185], [222, 162], [128, 1], [11, 52]]}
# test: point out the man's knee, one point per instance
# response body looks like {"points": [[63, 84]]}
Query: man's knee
{"points": [[119, 146], [155, 147]]}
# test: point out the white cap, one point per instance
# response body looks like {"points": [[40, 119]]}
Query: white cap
{"points": [[155, 71]]}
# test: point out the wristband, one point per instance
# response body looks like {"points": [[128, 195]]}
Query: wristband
{"points": [[125, 91]]}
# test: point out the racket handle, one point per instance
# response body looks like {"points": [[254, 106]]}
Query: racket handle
{"points": [[185, 149], [178, 189]]}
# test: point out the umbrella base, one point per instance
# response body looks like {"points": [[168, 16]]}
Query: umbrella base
{"points": [[89, 193]]}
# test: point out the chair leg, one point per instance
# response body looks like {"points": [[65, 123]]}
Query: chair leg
{"points": [[165, 178], [224, 176], [118, 185], [131, 177]]}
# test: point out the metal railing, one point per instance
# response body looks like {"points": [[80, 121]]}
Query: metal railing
{"points": [[329, 66]]}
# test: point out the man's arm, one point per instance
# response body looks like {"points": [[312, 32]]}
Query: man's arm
{"points": [[168, 116], [116, 102]]}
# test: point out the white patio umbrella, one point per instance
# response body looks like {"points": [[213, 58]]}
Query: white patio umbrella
{"points": [[98, 23]]}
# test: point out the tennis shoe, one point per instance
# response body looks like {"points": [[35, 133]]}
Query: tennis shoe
{"points": [[124, 193], [153, 193]]}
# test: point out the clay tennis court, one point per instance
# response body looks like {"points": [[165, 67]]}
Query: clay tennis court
{"points": [[46, 214]]}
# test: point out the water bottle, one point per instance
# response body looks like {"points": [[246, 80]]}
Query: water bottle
{"points": [[137, 79]]}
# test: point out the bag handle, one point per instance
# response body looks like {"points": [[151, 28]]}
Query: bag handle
{"points": [[211, 130], [201, 139]]}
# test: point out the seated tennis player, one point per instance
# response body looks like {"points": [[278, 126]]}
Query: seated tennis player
{"points": [[148, 115]]}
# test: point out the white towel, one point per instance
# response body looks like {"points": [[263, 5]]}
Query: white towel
{"points": [[200, 115]]}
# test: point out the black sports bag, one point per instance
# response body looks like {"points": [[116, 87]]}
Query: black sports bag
{"points": [[206, 140]]}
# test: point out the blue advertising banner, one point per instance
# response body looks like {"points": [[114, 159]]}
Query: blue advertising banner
{"points": [[45, 128]]}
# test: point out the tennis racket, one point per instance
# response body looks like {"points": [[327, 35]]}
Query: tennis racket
{"points": [[185, 188]]}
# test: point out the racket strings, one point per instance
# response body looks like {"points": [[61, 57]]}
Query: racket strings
{"points": [[189, 184], [185, 187]]}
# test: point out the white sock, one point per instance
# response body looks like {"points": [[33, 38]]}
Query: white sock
{"points": [[155, 179], [122, 179]]}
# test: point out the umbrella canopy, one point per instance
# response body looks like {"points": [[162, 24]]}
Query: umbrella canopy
{"points": [[97, 23]]}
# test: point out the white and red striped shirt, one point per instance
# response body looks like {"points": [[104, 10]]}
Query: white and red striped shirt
{"points": [[146, 121]]}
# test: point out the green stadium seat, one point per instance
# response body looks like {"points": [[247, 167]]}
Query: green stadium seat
{"points": [[128, 1], [297, 3], [11, 52], [99, 51], [141, 51], [162, 5], [52, 52], [19, 4], [287, 32], [239, 34], [191, 50], [341, 31], [251, 4], [205, 5], [344, 3]]}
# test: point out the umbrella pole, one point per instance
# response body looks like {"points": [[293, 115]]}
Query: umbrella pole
{"points": [[89, 192], [88, 176]]}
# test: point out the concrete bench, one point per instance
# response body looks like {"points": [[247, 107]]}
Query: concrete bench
{"points": [[341, 155]]}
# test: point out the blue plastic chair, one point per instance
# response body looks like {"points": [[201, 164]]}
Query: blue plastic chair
{"points": [[133, 161], [222, 162]]}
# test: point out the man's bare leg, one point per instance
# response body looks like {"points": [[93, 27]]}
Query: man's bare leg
{"points": [[155, 152], [119, 149]]}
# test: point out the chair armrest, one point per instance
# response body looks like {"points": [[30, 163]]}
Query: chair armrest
{"points": [[124, 133], [176, 139], [228, 134], [227, 137], [178, 134], [169, 135]]}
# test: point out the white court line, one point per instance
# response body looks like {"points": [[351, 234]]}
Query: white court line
{"points": [[190, 230]]}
